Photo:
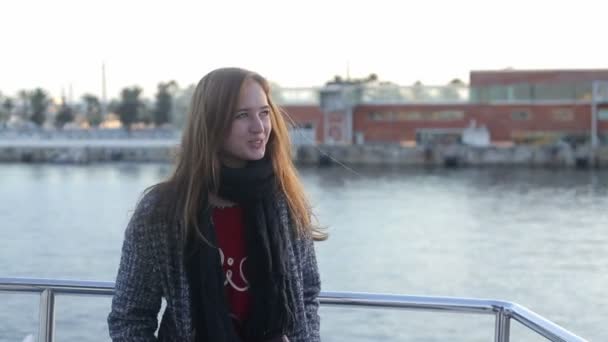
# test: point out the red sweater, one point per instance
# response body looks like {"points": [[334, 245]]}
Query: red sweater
{"points": [[230, 231]]}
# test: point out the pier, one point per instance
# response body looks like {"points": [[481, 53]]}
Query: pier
{"points": [[164, 150]]}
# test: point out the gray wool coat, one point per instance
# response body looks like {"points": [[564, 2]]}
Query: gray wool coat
{"points": [[152, 267]]}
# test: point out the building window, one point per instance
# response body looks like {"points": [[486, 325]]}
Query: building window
{"points": [[521, 114], [535, 137], [442, 115], [549, 92], [602, 114], [409, 116], [563, 114], [521, 92], [381, 116], [374, 116], [437, 137], [498, 93], [448, 115], [583, 91]]}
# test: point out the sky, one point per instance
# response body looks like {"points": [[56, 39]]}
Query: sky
{"points": [[61, 44]]}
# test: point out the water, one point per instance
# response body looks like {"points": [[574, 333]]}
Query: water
{"points": [[534, 236]]}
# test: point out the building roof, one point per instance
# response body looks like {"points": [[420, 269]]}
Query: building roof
{"points": [[512, 76]]}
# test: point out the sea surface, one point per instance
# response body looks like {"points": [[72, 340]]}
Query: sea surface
{"points": [[537, 237]]}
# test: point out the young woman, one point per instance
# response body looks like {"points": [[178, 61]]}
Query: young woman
{"points": [[227, 240]]}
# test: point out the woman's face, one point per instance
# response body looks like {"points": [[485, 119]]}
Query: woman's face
{"points": [[250, 127]]}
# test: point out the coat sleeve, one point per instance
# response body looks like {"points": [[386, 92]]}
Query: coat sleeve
{"points": [[137, 297], [312, 288]]}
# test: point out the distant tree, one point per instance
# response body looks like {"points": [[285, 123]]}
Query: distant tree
{"points": [[8, 104], [372, 77], [164, 102], [40, 101], [92, 109], [146, 113], [129, 106], [181, 104], [24, 96], [113, 106], [64, 115], [338, 79], [418, 91], [4, 112], [451, 91]]}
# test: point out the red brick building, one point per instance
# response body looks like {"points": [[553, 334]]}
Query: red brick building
{"points": [[307, 116], [537, 106]]}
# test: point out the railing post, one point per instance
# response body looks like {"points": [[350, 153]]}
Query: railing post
{"points": [[503, 326], [46, 331]]}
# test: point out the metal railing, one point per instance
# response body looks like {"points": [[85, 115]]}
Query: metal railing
{"points": [[503, 311]]}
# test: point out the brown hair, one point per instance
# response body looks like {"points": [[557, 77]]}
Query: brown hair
{"points": [[196, 172]]}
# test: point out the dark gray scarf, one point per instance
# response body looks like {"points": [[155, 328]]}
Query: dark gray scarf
{"points": [[254, 188]]}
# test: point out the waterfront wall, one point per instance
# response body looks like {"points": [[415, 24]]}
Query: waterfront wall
{"points": [[165, 150], [454, 156], [88, 151]]}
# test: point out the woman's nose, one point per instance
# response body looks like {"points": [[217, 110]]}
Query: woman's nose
{"points": [[256, 125]]}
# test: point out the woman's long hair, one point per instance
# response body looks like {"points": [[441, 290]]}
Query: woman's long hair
{"points": [[196, 172]]}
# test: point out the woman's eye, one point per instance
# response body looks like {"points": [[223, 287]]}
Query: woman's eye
{"points": [[265, 113], [240, 115]]}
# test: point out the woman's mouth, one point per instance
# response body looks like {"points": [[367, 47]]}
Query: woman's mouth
{"points": [[256, 144]]}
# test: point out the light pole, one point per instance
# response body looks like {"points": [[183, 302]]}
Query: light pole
{"points": [[103, 91]]}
